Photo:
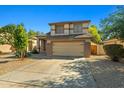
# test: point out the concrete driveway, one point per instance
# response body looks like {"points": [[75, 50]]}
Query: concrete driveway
{"points": [[50, 73]]}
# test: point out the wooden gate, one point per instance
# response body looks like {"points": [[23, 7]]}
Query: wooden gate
{"points": [[94, 49]]}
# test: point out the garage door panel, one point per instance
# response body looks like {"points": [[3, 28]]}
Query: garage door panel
{"points": [[65, 54], [70, 43], [64, 46], [69, 53], [71, 49], [68, 48]]}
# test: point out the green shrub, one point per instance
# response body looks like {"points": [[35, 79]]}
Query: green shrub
{"points": [[28, 54], [114, 51], [18, 54], [122, 53]]}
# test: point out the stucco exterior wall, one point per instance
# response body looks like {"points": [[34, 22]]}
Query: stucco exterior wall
{"points": [[5, 48], [32, 44], [49, 48], [87, 49], [100, 50]]}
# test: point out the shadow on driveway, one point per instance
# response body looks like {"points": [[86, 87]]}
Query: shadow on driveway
{"points": [[81, 77]]}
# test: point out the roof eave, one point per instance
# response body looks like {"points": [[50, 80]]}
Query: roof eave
{"points": [[83, 21]]}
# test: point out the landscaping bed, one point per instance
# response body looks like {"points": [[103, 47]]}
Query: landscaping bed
{"points": [[107, 73]]}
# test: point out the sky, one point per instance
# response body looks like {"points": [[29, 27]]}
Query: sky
{"points": [[38, 17]]}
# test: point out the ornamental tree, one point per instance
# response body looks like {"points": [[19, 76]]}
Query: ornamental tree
{"points": [[20, 40], [113, 25], [94, 32]]}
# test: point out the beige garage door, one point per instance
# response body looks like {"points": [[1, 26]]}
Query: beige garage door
{"points": [[68, 48]]}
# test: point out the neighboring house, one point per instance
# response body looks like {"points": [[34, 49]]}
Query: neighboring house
{"points": [[113, 41], [97, 49], [67, 39], [6, 48], [32, 43]]}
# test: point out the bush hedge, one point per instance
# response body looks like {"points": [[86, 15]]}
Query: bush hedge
{"points": [[18, 54], [122, 53], [114, 51]]}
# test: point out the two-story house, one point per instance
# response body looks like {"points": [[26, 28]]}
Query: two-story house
{"points": [[67, 39]]}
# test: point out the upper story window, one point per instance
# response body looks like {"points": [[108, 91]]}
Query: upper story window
{"points": [[59, 29], [77, 28]]}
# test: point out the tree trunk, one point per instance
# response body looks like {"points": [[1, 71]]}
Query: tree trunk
{"points": [[22, 55]]}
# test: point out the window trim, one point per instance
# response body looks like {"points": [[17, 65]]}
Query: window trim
{"points": [[62, 29], [76, 31]]}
